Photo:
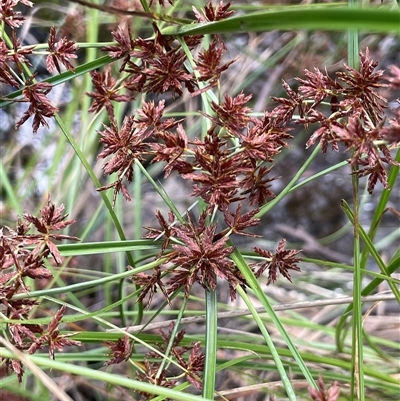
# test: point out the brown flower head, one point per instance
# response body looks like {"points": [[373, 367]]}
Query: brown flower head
{"points": [[153, 375], [281, 262], [265, 139], [52, 337], [167, 72], [363, 84], [18, 54], [106, 91], [238, 221], [320, 394], [149, 285], [209, 64], [12, 18], [120, 350], [232, 114], [125, 146], [256, 185], [215, 173], [318, 86], [367, 149], [52, 219], [193, 366], [123, 48], [287, 107], [167, 230], [172, 151], [150, 119], [60, 51], [213, 14], [199, 258], [39, 105], [327, 131], [6, 75]]}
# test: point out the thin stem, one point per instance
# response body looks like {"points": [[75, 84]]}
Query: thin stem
{"points": [[211, 344], [357, 376]]}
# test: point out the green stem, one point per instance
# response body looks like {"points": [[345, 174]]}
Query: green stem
{"points": [[106, 201], [266, 208], [357, 374], [211, 344]]}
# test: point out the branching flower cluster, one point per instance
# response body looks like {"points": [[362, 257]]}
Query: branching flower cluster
{"points": [[13, 58], [354, 117], [229, 166], [23, 255], [189, 358]]}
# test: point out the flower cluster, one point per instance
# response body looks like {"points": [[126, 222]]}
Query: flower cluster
{"points": [[348, 110], [221, 174], [229, 166], [321, 394], [34, 93], [23, 255], [192, 365]]}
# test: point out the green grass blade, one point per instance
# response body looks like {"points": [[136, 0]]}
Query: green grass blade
{"points": [[357, 351], [289, 187], [380, 209], [372, 251], [318, 17], [255, 286], [275, 355], [63, 77], [211, 345], [94, 248]]}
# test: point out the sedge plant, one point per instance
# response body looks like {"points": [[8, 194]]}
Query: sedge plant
{"points": [[123, 133]]}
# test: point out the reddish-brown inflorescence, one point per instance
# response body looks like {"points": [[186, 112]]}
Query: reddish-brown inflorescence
{"points": [[209, 64], [34, 93], [357, 115], [320, 394], [192, 365], [52, 219], [220, 12], [23, 254], [198, 258], [215, 176], [40, 106], [232, 114], [125, 145], [19, 53], [6, 76], [60, 51], [120, 350], [362, 85], [9, 16], [281, 262], [106, 91], [51, 337]]}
